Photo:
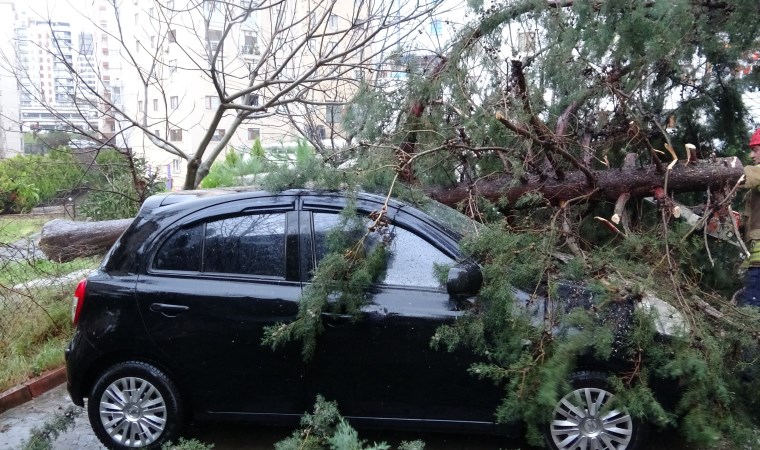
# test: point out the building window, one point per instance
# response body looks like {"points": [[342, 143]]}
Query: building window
{"points": [[174, 102], [155, 104], [254, 133], [214, 38], [320, 132], [253, 99], [250, 44], [172, 36], [212, 102], [152, 42], [332, 22], [137, 46], [139, 105], [176, 166], [170, 4], [172, 66], [333, 113], [151, 12], [157, 133], [218, 135], [137, 19], [175, 135]]}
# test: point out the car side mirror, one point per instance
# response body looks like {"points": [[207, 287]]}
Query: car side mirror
{"points": [[465, 279]]}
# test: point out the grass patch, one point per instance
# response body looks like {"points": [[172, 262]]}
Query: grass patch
{"points": [[13, 273], [13, 228], [34, 333]]}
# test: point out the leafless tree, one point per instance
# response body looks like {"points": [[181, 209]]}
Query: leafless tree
{"points": [[184, 79]]}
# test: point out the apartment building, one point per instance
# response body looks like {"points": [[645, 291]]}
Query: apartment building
{"points": [[11, 142], [45, 51], [289, 66]]}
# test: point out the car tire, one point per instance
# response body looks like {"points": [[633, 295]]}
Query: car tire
{"points": [[135, 405], [577, 424]]}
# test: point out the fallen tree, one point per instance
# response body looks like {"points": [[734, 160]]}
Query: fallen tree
{"points": [[609, 184], [65, 240]]}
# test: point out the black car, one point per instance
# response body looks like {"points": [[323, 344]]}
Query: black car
{"points": [[169, 328]]}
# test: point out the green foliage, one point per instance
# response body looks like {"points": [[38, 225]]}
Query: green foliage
{"points": [[44, 437], [531, 350], [187, 444], [237, 169], [45, 142], [307, 170], [326, 429], [30, 346], [355, 259], [26, 181], [118, 186]]}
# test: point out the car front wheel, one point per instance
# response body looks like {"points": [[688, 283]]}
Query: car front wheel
{"points": [[134, 405], [587, 418]]}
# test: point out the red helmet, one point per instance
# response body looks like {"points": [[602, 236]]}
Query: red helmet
{"points": [[755, 139]]}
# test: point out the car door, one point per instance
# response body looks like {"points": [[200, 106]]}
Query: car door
{"points": [[382, 366], [213, 284]]}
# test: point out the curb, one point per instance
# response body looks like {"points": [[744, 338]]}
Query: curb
{"points": [[33, 388]]}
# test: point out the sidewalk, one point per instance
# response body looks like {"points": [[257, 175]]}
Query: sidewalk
{"points": [[16, 424]]}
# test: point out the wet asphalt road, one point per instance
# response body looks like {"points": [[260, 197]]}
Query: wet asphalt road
{"points": [[16, 425]]}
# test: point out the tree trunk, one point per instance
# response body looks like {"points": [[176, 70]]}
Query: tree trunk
{"points": [[610, 183], [65, 240]]}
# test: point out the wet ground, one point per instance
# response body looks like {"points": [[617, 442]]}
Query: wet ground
{"points": [[16, 426]]}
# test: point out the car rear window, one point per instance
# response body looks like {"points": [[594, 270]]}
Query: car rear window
{"points": [[182, 251]]}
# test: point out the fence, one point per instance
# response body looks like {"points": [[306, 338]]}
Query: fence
{"points": [[35, 299]]}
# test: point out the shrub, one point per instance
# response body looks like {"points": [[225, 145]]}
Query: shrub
{"points": [[117, 192], [28, 180]]}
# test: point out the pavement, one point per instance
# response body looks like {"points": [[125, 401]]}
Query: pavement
{"points": [[17, 423]]}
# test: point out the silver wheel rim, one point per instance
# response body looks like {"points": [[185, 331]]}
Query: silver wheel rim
{"points": [[584, 420], [133, 412]]}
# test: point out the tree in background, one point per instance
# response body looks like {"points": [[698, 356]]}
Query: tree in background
{"points": [[193, 72]]}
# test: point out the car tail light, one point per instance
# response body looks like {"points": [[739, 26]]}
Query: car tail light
{"points": [[78, 301]]}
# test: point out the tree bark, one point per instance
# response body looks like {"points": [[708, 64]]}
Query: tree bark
{"points": [[65, 240], [610, 183]]}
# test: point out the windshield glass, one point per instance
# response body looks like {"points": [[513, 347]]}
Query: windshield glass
{"points": [[450, 217]]}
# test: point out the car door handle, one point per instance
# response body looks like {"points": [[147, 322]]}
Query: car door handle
{"points": [[167, 309]]}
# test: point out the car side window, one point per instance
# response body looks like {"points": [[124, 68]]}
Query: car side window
{"points": [[412, 261], [250, 245], [182, 251], [324, 224]]}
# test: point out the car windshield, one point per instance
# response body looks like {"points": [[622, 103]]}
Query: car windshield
{"points": [[450, 217]]}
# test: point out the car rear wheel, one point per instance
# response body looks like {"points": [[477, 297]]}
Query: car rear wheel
{"points": [[134, 405], [587, 418]]}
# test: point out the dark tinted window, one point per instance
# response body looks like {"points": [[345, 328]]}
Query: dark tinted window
{"points": [[251, 245], [412, 260], [182, 251]]}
